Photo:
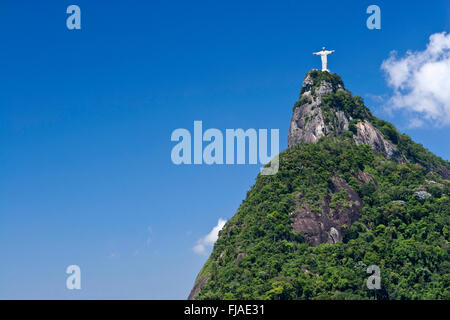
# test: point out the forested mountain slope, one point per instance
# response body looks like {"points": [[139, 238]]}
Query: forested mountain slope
{"points": [[350, 192]]}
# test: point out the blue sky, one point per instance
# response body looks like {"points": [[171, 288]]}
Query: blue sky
{"points": [[86, 116]]}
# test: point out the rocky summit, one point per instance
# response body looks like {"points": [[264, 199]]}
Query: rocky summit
{"points": [[351, 192], [320, 112]]}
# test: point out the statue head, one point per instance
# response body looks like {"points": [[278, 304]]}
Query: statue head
{"points": [[323, 48]]}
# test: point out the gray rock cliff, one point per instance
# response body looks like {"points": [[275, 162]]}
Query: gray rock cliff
{"points": [[310, 121]]}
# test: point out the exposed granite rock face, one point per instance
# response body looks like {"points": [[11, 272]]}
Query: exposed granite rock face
{"points": [[444, 172], [304, 130], [327, 224], [308, 122], [196, 290], [368, 134]]}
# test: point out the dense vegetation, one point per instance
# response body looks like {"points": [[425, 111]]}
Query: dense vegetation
{"points": [[259, 256], [353, 106]]}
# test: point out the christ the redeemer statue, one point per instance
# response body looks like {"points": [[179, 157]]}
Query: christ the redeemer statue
{"points": [[323, 55]]}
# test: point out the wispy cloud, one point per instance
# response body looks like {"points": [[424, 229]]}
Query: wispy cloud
{"points": [[209, 240], [148, 241], [114, 255], [415, 123], [375, 97], [145, 244], [421, 81]]}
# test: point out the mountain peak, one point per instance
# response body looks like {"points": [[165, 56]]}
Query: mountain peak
{"points": [[316, 79]]}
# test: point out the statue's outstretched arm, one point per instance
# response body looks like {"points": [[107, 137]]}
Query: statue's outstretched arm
{"points": [[316, 53]]}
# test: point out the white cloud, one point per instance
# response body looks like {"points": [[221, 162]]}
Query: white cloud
{"points": [[209, 239], [415, 123], [421, 81]]}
